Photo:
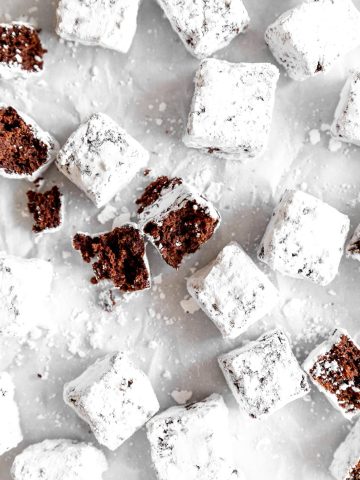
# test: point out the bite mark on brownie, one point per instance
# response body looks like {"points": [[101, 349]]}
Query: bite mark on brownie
{"points": [[120, 257], [46, 209], [20, 151], [154, 190], [338, 372], [18, 40]]}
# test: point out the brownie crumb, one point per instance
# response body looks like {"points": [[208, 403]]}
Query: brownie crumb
{"points": [[120, 257], [338, 372], [20, 151], [154, 190], [46, 209], [19, 40]]}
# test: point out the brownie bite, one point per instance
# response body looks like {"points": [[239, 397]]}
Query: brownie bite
{"points": [[346, 461], [46, 209], [25, 150], [21, 51], [334, 367], [121, 257], [177, 220]]}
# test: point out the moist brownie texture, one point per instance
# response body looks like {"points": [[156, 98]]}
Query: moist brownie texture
{"points": [[114, 397], [121, 257], [346, 462], [21, 52], [205, 27], [25, 150], [10, 431], [346, 125], [59, 459], [334, 367], [46, 208], [176, 219]]}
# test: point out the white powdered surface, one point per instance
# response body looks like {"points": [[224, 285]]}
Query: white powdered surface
{"points": [[9, 415], [148, 92], [347, 456]]}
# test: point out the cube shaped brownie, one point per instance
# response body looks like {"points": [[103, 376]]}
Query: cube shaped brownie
{"points": [[346, 461], [121, 257], [101, 158], [334, 367], [309, 38], [26, 150], [232, 291], [192, 442], [353, 247], [264, 375], [105, 23], [304, 238], [24, 287], [205, 27], [177, 220], [346, 125], [114, 397], [59, 459], [21, 51], [10, 429], [232, 107]]}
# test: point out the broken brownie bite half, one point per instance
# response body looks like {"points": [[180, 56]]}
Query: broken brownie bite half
{"points": [[177, 219], [25, 150], [21, 51], [334, 367], [46, 209], [121, 257]]}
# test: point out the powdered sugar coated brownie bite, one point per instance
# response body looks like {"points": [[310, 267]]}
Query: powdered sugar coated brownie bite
{"points": [[10, 430], [177, 220], [205, 27], [101, 158], [26, 151], [309, 38], [305, 238], [334, 367], [24, 286], [59, 459], [353, 247], [192, 441], [47, 209], [346, 461], [232, 291], [21, 51], [121, 257], [264, 375], [232, 107], [346, 125], [114, 397], [109, 24]]}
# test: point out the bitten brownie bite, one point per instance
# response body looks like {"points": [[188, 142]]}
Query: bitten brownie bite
{"points": [[24, 286], [309, 38], [109, 24], [346, 125], [232, 291], [334, 367], [205, 27], [346, 462], [232, 107], [59, 460], [121, 257], [114, 397], [47, 209], [264, 375], [192, 442], [305, 238], [101, 158], [26, 151], [10, 431], [177, 220], [21, 52]]}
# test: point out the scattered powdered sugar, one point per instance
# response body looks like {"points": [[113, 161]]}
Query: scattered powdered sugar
{"points": [[181, 396]]}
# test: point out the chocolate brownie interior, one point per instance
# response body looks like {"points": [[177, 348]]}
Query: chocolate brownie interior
{"points": [[154, 190], [20, 151], [24, 41], [46, 209], [355, 473], [120, 257], [338, 371]]}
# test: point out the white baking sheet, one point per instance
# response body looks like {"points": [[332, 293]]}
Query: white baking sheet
{"points": [[178, 350]]}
